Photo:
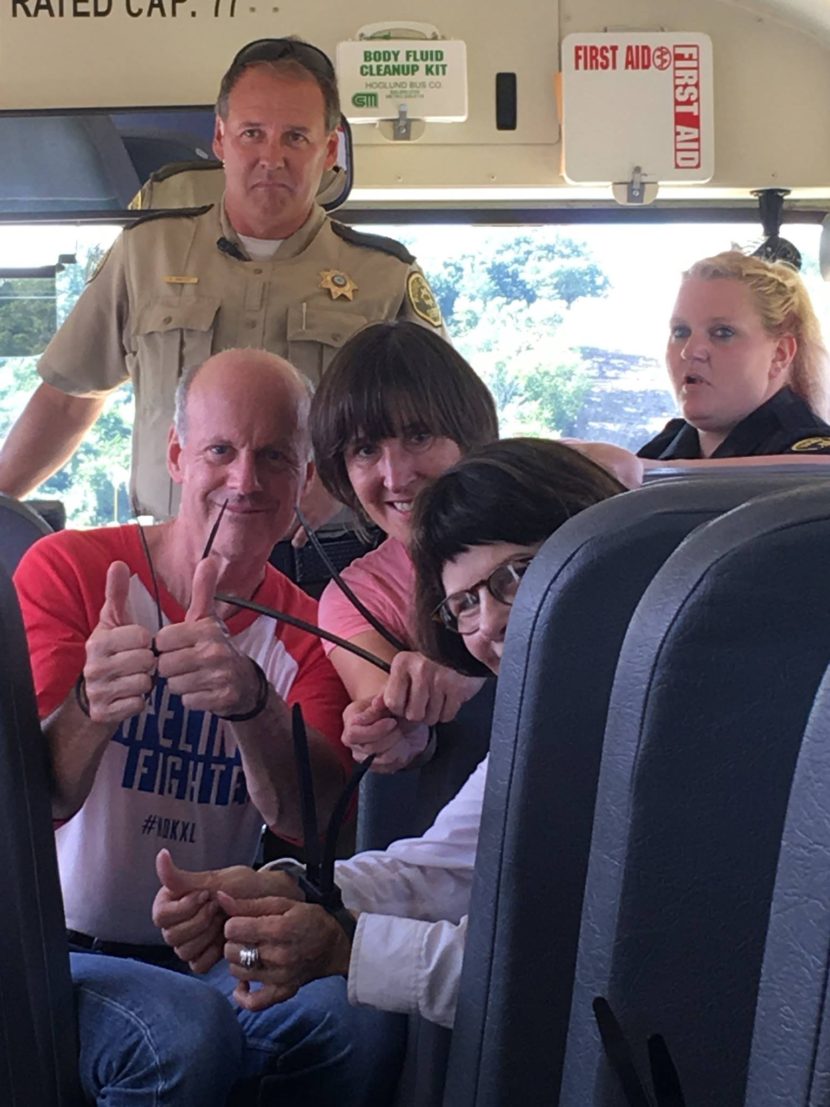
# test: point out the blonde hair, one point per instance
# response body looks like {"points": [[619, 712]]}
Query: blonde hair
{"points": [[783, 303]]}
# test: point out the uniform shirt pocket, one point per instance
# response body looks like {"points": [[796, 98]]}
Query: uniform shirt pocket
{"points": [[316, 334], [171, 335]]}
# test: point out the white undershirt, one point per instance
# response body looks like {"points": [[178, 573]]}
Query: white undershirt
{"points": [[260, 249]]}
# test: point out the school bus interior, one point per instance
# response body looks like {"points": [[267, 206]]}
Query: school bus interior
{"points": [[655, 829]]}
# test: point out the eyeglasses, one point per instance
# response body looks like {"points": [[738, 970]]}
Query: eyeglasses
{"points": [[461, 611], [275, 49]]}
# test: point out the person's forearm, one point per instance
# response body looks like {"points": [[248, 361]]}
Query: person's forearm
{"points": [[362, 679], [267, 750], [76, 746], [47, 433]]}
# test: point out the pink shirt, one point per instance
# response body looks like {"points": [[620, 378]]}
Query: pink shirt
{"points": [[384, 580]]}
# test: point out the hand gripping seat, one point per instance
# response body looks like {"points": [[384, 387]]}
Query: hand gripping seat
{"points": [[551, 705], [714, 684], [405, 804], [789, 1065], [38, 1047]]}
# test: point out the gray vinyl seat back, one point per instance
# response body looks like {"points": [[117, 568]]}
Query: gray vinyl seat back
{"points": [[64, 163], [403, 805], [38, 1046], [713, 688], [789, 1063], [20, 527], [560, 655]]}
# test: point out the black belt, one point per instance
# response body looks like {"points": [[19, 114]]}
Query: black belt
{"points": [[154, 954]]}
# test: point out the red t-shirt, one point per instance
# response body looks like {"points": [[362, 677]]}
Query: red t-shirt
{"points": [[169, 776]]}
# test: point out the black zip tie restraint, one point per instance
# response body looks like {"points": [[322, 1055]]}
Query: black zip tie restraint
{"points": [[317, 881]]}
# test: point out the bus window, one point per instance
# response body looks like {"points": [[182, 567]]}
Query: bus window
{"points": [[565, 324], [93, 483]]}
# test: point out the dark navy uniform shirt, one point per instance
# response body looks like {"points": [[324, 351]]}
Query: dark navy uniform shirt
{"points": [[785, 424]]}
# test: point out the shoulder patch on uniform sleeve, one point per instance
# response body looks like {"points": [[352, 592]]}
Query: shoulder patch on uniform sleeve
{"points": [[422, 299], [168, 213], [99, 265], [810, 445], [372, 242]]}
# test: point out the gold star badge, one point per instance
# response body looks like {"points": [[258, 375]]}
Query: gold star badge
{"points": [[338, 284]]}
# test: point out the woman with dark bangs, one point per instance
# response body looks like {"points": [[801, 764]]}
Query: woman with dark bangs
{"points": [[396, 408]]}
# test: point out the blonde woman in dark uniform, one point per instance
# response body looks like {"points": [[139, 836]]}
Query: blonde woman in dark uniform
{"points": [[749, 369], [746, 362]]}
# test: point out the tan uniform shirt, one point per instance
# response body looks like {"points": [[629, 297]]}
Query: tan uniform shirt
{"points": [[175, 289]]}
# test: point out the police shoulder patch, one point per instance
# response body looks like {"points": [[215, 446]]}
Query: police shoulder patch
{"points": [[99, 265], [810, 445], [422, 299]]}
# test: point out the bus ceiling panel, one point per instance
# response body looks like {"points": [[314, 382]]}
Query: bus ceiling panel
{"points": [[812, 16], [57, 53], [770, 131]]}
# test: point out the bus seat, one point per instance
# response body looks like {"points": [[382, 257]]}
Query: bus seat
{"points": [[714, 684], [38, 1041], [20, 527], [189, 184], [789, 1064], [52, 512], [561, 651], [402, 805], [64, 163]]}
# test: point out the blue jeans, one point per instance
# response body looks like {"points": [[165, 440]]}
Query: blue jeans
{"points": [[316, 1048], [151, 1037]]}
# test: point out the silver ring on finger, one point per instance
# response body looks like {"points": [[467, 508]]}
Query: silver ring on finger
{"points": [[249, 957]]}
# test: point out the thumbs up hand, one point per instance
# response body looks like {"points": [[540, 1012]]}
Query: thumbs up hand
{"points": [[198, 658], [188, 913], [117, 589], [202, 603], [118, 672]]}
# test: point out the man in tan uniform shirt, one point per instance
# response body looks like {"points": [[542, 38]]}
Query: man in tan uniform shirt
{"points": [[265, 268]]}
